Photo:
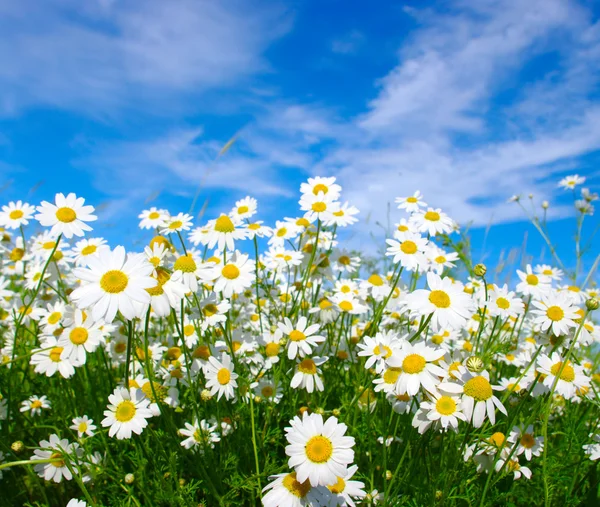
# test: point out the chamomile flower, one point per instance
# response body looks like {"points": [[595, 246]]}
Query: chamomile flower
{"points": [[220, 377], [16, 214], [345, 490], [111, 282], [343, 217], [35, 404], [442, 408], [234, 276], [319, 206], [285, 490], [60, 451], [417, 367], [409, 250], [477, 396], [83, 336], [67, 216], [593, 449], [49, 359], [513, 465], [85, 248], [214, 311], [177, 223], [319, 451], [244, 208], [432, 222], [153, 218], [532, 284], [504, 303], [283, 231], [83, 426], [572, 376], [527, 443], [571, 181], [377, 349], [223, 233], [412, 203], [308, 373], [555, 312], [201, 435], [127, 413], [445, 301], [317, 185], [268, 390], [302, 338]]}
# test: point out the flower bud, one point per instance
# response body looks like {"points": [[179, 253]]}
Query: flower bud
{"points": [[129, 478], [474, 364], [17, 447], [480, 270], [388, 475], [205, 395], [592, 304], [545, 204]]}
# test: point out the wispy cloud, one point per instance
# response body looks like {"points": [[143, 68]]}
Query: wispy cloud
{"points": [[101, 57]]}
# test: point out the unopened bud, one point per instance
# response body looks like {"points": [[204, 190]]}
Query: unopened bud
{"points": [[474, 364], [592, 304], [17, 447], [205, 395], [129, 478], [336, 412], [388, 475], [319, 410], [545, 204], [480, 270]]}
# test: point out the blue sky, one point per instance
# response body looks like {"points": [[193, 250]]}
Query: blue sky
{"points": [[128, 104]]}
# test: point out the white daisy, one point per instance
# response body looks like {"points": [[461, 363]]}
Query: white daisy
{"points": [[67, 216], [220, 377], [412, 203], [83, 426], [301, 338], [128, 411], [418, 368], [16, 214], [59, 450]]}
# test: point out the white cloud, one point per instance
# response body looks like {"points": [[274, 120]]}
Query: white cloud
{"points": [[119, 55]]}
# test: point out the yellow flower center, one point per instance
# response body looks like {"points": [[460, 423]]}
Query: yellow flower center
{"points": [[267, 391], [346, 306], [210, 309], [338, 487], [160, 390], [55, 354], [114, 281], [125, 411], [478, 388], [319, 207], [243, 209], [186, 264], [223, 376], [298, 489], [66, 215], [573, 288], [320, 188], [308, 366], [230, 271], [390, 376], [532, 279], [89, 250], [383, 351], [281, 232], [224, 225], [527, 440], [445, 405], [49, 245], [375, 280], [412, 200], [17, 254], [408, 247], [16, 214], [297, 336], [402, 228], [439, 298], [502, 303], [555, 313], [202, 352], [413, 363], [154, 215], [59, 463], [432, 216], [79, 335], [175, 224], [319, 449], [568, 373], [54, 317], [36, 404], [82, 427], [498, 439]]}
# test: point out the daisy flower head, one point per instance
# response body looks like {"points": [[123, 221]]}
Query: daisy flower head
{"points": [[67, 216], [307, 374], [301, 338], [60, 451], [244, 208], [49, 359], [477, 396], [445, 301], [200, 435], [571, 181], [345, 490], [412, 203], [35, 404], [85, 248], [344, 216], [551, 272], [317, 185], [285, 490], [177, 223], [111, 282], [268, 390], [153, 218], [409, 250], [532, 284], [16, 214], [513, 466], [223, 232], [417, 367], [83, 426], [345, 262], [319, 451], [214, 311], [504, 303], [440, 259], [188, 268], [81, 337], [568, 377], [593, 450], [555, 312], [443, 408], [284, 230], [319, 206], [220, 377], [527, 443], [234, 276], [377, 349], [127, 412], [433, 221]]}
